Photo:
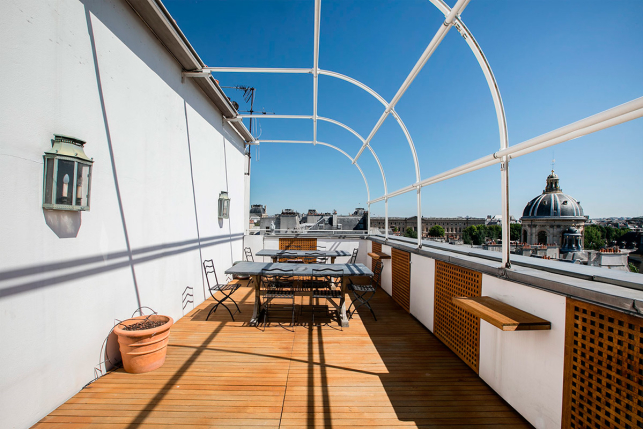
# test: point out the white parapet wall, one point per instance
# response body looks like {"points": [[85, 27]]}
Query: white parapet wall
{"points": [[94, 70], [526, 367]]}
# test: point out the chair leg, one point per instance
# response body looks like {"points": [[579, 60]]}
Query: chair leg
{"points": [[229, 296], [365, 302], [212, 310]]}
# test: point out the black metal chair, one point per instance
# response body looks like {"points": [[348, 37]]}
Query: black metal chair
{"points": [[248, 254], [226, 289], [325, 284], [364, 293], [277, 283], [353, 259]]}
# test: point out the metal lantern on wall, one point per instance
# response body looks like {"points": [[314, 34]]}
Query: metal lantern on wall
{"points": [[67, 175], [224, 205]]}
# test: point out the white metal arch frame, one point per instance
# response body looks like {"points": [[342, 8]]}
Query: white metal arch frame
{"points": [[619, 114], [368, 192]]}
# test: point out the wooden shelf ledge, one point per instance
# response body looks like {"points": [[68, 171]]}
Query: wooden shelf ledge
{"points": [[502, 316], [379, 255]]}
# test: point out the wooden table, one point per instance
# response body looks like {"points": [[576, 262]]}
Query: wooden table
{"points": [[276, 253], [253, 269]]}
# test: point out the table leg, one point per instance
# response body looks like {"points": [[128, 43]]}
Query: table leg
{"points": [[343, 317], [332, 259], [274, 259], [254, 320]]}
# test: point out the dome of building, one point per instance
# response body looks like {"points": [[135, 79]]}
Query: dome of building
{"points": [[553, 203]]}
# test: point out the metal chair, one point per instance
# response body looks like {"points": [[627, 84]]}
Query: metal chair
{"points": [[277, 283], [364, 293], [248, 254], [321, 286], [226, 289], [353, 259]]}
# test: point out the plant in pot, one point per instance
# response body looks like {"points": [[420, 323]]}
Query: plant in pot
{"points": [[143, 342]]}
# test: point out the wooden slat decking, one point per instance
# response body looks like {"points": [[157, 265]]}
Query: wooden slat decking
{"points": [[224, 374]]}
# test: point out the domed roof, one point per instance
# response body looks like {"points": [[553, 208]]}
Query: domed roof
{"points": [[552, 202]]}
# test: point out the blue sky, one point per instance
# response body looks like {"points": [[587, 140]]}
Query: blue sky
{"points": [[555, 62]]}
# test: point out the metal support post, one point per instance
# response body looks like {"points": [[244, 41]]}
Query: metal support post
{"points": [[419, 217], [504, 172], [386, 218]]}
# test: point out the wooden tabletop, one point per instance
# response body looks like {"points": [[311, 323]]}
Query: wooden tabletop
{"points": [[502, 316], [255, 269], [379, 255], [307, 253]]}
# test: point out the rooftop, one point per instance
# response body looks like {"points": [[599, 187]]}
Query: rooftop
{"points": [[224, 374]]}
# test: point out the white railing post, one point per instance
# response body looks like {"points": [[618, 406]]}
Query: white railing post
{"points": [[419, 217], [506, 228], [386, 218], [316, 67]]}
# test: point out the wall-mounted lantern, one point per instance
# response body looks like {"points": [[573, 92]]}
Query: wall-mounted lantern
{"points": [[67, 175], [224, 205]]}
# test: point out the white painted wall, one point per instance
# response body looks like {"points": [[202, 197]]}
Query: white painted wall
{"points": [[364, 249], [148, 229], [422, 298], [259, 242], [255, 243], [346, 245], [387, 272], [526, 367]]}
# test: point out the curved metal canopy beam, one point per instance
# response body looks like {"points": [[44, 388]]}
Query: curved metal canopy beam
{"points": [[332, 121], [368, 192], [331, 74], [500, 115]]}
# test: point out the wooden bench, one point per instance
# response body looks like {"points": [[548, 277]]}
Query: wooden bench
{"points": [[379, 255], [502, 316]]}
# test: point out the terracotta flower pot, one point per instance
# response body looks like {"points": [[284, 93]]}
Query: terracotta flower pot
{"points": [[144, 350]]}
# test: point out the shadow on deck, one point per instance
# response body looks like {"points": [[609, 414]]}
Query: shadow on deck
{"points": [[219, 373]]}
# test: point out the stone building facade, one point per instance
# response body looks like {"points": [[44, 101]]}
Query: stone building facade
{"points": [[550, 215], [453, 226]]}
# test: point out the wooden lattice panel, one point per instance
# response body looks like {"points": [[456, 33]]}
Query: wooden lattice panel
{"points": [[603, 381], [457, 328], [401, 271], [376, 247], [298, 244]]}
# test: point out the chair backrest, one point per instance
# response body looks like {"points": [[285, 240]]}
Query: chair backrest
{"points": [[277, 272], [276, 276], [353, 259], [208, 268], [248, 253]]}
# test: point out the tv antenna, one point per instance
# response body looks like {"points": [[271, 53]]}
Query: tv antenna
{"points": [[248, 97]]}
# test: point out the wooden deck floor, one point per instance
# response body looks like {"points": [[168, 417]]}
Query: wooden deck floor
{"points": [[220, 374]]}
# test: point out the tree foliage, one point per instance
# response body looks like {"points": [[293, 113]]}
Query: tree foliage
{"points": [[477, 234], [410, 233], [515, 231], [598, 236], [436, 231]]}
